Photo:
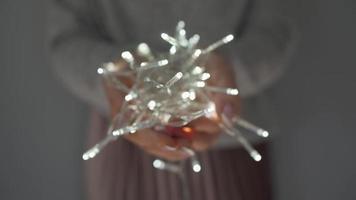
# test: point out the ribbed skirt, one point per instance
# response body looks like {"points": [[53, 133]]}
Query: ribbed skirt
{"points": [[122, 171]]}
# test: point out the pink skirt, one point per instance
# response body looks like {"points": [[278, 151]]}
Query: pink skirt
{"points": [[124, 172]]}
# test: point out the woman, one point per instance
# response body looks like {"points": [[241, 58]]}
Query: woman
{"points": [[85, 33]]}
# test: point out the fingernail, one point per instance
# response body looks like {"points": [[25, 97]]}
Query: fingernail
{"points": [[170, 148], [228, 110]]}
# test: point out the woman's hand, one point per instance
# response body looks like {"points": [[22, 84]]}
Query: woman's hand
{"points": [[204, 131]]}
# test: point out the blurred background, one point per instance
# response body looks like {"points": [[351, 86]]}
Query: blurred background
{"points": [[43, 127]]}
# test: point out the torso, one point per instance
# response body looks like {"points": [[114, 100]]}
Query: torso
{"points": [[133, 21]]}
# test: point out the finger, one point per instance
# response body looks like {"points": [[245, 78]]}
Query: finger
{"points": [[173, 153], [150, 139], [203, 141], [170, 154], [114, 98], [224, 103], [160, 145], [205, 125]]}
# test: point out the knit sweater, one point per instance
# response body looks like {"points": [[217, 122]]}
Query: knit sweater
{"points": [[82, 34]]}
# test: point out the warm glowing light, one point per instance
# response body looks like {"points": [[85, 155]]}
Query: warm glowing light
{"points": [[187, 130]]}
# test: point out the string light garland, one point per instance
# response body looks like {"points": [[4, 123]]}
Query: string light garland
{"points": [[169, 90]]}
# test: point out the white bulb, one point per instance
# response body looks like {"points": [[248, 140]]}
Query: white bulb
{"points": [[196, 167], [127, 56], [165, 36], [143, 64], [192, 95], [200, 84], [143, 49], [181, 25], [185, 95], [232, 91], [179, 75], [197, 53], [228, 38], [130, 96], [210, 111], [172, 50], [158, 164], [111, 67], [151, 105], [100, 70], [117, 132], [263, 133], [194, 39], [205, 76], [197, 70], [182, 32], [256, 156], [85, 157], [162, 62], [91, 153]]}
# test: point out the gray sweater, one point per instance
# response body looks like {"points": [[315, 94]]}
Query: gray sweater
{"points": [[82, 34]]}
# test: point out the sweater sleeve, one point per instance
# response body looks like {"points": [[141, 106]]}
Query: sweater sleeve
{"points": [[264, 43], [77, 45]]}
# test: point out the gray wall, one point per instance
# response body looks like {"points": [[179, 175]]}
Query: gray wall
{"points": [[314, 157], [42, 127]]}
